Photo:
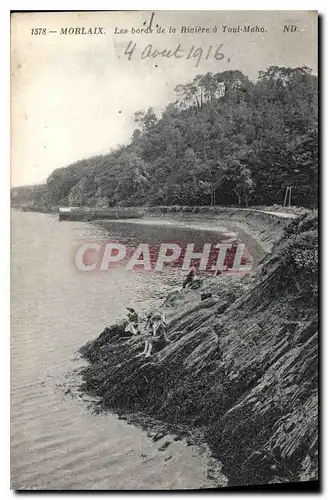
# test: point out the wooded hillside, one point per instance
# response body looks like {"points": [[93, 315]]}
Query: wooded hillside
{"points": [[225, 140]]}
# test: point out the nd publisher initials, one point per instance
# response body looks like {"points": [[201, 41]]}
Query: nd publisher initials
{"points": [[289, 28]]}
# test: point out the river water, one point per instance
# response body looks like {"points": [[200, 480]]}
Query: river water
{"points": [[56, 441]]}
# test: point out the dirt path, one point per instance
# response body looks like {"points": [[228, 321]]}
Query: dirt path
{"points": [[283, 215]]}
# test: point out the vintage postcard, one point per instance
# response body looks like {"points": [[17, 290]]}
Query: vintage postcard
{"points": [[164, 283]]}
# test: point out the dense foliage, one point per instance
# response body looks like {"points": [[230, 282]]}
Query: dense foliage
{"points": [[224, 141]]}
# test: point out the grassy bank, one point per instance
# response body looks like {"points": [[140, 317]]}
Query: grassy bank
{"points": [[241, 370]]}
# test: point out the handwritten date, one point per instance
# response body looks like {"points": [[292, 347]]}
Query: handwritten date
{"points": [[194, 53]]}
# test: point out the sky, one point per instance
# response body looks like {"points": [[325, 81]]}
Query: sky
{"points": [[74, 96]]}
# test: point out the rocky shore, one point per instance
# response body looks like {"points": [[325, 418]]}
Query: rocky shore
{"points": [[240, 372]]}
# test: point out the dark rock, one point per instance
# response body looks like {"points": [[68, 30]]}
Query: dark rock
{"points": [[158, 436], [164, 446]]}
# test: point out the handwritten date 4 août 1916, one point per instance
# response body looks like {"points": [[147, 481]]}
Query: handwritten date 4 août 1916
{"points": [[179, 52]]}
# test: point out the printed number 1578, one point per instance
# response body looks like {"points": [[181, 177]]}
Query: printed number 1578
{"points": [[38, 31]]}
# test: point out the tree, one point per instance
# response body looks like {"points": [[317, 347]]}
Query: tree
{"points": [[240, 179], [145, 119]]}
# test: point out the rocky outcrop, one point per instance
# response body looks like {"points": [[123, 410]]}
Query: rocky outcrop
{"points": [[242, 367]]}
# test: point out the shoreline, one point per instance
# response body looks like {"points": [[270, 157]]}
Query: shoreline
{"points": [[159, 431], [260, 226], [172, 443], [258, 230]]}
